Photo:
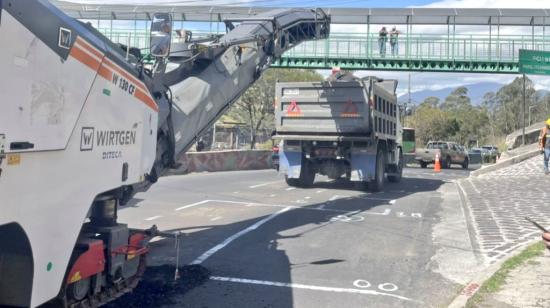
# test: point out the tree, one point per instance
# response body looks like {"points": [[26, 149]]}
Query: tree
{"points": [[509, 103], [255, 106], [432, 123]]}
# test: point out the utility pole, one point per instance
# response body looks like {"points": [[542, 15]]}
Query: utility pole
{"points": [[408, 103], [523, 113], [530, 107]]}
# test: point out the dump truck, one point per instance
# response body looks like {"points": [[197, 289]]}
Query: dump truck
{"points": [[344, 127]]}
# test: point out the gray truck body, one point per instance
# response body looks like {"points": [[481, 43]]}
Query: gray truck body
{"points": [[336, 109], [338, 128]]}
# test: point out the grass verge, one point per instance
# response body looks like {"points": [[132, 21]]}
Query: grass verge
{"points": [[498, 279]]}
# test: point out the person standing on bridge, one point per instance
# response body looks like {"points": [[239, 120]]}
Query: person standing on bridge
{"points": [[382, 39], [394, 43], [544, 143]]}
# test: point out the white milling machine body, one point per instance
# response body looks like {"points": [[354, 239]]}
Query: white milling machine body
{"points": [[82, 128]]}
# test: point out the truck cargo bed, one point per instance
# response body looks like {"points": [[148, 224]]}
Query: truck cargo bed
{"points": [[322, 107]]}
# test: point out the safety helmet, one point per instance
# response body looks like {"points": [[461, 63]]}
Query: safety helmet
{"points": [[548, 122]]}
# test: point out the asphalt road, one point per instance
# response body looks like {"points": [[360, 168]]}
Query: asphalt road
{"points": [[268, 245]]}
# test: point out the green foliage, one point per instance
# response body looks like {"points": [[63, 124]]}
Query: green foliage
{"points": [[505, 106], [255, 106], [500, 113]]}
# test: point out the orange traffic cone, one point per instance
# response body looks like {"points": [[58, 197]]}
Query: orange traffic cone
{"points": [[437, 164]]}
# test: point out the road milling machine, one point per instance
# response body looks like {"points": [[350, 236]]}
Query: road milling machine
{"points": [[86, 123]]}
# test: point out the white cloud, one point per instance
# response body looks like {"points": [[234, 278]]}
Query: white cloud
{"points": [[524, 4], [160, 2]]}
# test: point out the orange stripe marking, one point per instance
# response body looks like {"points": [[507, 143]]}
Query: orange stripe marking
{"points": [[125, 74], [85, 58], [144, 97], [104, 69], [105, 72], [88, 47]]}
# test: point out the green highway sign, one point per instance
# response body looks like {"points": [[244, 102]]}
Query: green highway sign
{"points": [[534, 62]]}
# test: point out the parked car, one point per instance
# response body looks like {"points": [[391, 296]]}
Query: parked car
{"points": [[449, 153], [493, 152], [485, 155], [275, 157]]}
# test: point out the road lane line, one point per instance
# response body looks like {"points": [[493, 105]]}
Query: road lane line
{"points": [[334, 197], [290, 188], [263, 184], [309, 287], [386, 212], [235, 236], [378, 199], [153, 217], [191, 205]]}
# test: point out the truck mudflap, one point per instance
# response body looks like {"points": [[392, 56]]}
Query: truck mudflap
{"points": [[290, 163], [363, 166]]}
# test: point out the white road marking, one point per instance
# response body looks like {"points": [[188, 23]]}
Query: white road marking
{"points": [[320, 191], [385, 213], [263, 184], [417, 215], [191, 205], [307, 197], [378, 199], [334, 197], [388, 287], [361, 283], [290, 188], [216, 218], [392, 202], [400, 214], [345, 218], [309, 287], [235, 236], [153, 218]]}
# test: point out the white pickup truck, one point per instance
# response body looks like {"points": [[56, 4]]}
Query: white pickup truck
{"points": [[449, 153]]}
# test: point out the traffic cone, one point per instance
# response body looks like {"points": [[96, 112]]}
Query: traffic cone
{"points": [[437, 164]]}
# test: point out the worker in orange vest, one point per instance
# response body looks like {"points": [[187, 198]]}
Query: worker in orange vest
{"points": [[544, 143]]}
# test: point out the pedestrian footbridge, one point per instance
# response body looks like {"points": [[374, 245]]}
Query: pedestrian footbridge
{"points": [[431, 39]]}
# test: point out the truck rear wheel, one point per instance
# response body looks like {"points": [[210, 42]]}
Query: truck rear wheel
{"points": [[377, 184], [396, 178], [292, 182], [307, 176]]}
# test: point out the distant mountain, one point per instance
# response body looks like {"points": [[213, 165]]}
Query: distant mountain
{"points": [[475, 92]]}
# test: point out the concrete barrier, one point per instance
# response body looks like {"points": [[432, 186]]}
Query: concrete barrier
{"points": [[223, 161]]}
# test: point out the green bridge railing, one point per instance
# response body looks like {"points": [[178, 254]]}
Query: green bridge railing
{"points": [[452, 53]]}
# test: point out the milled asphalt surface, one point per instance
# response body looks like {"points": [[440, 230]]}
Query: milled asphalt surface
{"points": [[268, 245]]}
